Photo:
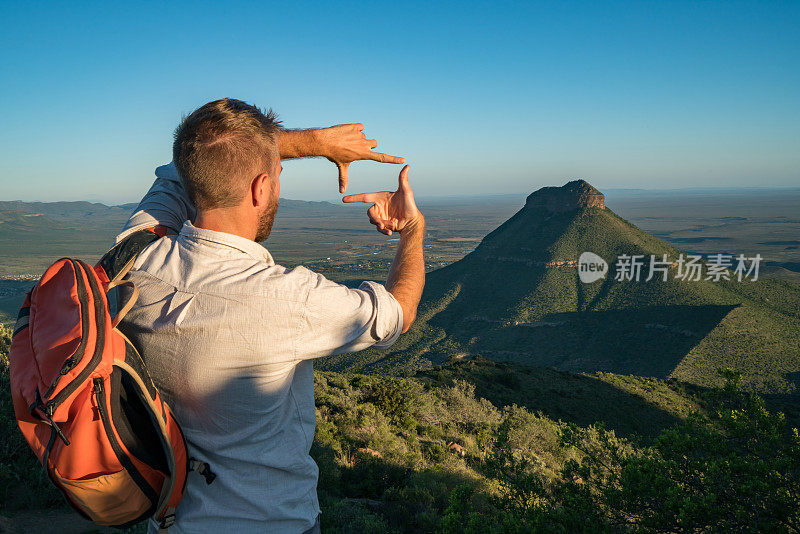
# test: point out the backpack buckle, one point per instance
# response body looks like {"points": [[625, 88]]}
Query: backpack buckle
{"points": [[166, 521], [202, 468]]}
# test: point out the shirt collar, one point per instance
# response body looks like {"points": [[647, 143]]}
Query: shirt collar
{"points": [[251, 248]]}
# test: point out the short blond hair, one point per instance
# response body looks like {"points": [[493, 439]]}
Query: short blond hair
{"points": [[220, 147]]}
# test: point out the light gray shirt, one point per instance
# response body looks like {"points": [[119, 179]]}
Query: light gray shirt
{"points": [[229, 337]]}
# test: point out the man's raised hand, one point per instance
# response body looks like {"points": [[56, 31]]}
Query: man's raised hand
{"points": [[347, 143], [391, 211]]}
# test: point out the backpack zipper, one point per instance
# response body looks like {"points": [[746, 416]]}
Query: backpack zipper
{"points": [[83, 299], [100, 321]]}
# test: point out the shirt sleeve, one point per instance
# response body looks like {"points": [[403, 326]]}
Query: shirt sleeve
{"points": [[339, 319], [165, 204]]}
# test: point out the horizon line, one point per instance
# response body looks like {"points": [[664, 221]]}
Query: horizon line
{"points": [[696, 189]]}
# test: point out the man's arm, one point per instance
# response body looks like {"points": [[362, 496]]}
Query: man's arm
{"points": [[341, 144], [397, 212], [165, 204], [407, 274]]}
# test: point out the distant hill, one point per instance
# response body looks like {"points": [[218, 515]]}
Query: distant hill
{"points": [[34, 234], [40, 225], [517, 297], [289, 207], [96, 213], [72, 212], [21, 221]]}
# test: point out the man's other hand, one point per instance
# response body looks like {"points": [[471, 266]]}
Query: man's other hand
{"points": [[391, 211], [346, 143]]}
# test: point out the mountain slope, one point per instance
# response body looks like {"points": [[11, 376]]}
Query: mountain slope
{"points": [[517, 297]]}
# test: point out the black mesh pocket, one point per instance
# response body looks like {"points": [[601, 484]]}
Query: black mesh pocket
{"points": [[135, 421], [134, 359]]}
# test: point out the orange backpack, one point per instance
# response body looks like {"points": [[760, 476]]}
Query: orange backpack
{"points": [[85, 402]]}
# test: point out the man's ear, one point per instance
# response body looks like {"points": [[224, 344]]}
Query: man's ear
{"points": [[260, 190]]}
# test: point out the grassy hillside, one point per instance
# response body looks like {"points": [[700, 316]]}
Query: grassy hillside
{"points": [[482, 446], [518, 298]]}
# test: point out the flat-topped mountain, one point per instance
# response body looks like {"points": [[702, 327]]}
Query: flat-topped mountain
{"points": [[573, 195], [518, 297]]}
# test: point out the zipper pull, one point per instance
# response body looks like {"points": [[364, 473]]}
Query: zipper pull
{"points": [[48, 415], [58, 430], [95, 406], [98, 398]]}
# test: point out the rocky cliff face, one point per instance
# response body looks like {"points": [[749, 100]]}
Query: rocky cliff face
{"points": [[571, 196]]}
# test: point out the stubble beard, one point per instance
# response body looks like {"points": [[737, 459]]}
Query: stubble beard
{"points": [[265, 221]]}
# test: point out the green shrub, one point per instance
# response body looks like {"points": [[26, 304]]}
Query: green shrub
{"points": [[735, 470], [738, 470], [395, 398], [352, 516], [735, 467]]}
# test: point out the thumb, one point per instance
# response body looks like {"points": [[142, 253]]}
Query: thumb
{"points": [[342, 176], [402, 180]]}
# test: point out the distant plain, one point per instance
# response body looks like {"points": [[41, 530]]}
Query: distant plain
{"points": [[337, 240]]}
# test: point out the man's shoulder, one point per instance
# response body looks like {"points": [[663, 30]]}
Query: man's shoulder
{"points": [[166, 261], [316, 280], [155, 252]]}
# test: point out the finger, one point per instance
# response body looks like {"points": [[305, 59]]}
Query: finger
{"points": [[372, 214], [372, 143], [380, 225], [402, 180], [358, 126], [362, 197], [343, 176], [385, 158], [383, 229]]}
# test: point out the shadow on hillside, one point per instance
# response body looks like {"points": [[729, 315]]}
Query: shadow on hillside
{"points": [[569, 397], [788, 404], [374, 484], [794, 378], [646, 341]]}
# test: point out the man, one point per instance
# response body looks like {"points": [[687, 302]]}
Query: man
{"points": [[229, 336]]}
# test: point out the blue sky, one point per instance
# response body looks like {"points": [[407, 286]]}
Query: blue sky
{"points": [[481, 98]]}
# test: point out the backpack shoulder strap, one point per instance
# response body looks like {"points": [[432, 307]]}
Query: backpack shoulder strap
{"points": [[118, 262], [120, 257]]}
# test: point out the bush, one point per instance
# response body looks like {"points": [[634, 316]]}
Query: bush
{"points": [[734, 468], [737, 470], [395, 398], [352, 516]]}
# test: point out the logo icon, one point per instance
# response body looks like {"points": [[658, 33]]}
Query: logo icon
{"points": [[591, 267]]}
